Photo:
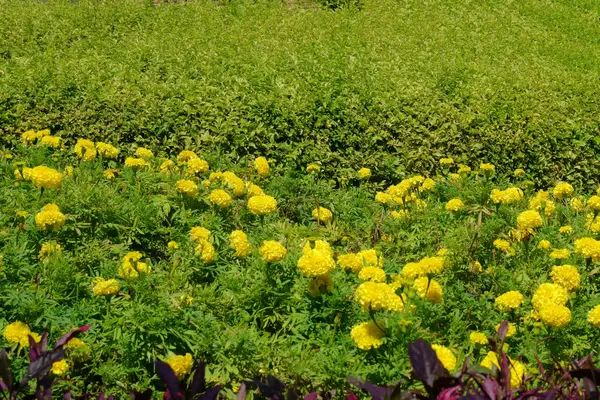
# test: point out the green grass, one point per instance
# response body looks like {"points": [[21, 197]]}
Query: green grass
{"points": [[394, 86]]}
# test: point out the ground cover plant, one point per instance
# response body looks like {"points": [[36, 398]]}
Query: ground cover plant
{"points": [[259, 269], [391, 85]]}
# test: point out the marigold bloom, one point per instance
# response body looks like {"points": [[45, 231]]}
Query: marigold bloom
{"points": [[367, 335], [511, 331], [322, 214], [375, 296], [401, 215], [478, 338], [136, 163], [253, 190], [519, 172], [60, 368], [504, 246], [506, 196], [29, 137], [239, 242], [199, 233], [562, 190], [316, 261], [374, 274], [313, 168], [549, 293], [107, 150], [181, 365], [50, 141], [48, 249], [320, 284], [476, 267], [594, 316], [364, 173], [594, 203], [85, 149], [544, 245], [205, 251], [463, 169], [220, 198], [262, 205], [447, 161], [529, 219], [50, 218], [560, 254], [445, 355], [187, 188], [196, 166], [167, 167], [509, 300], [110, 173], [566, 276], [541, 202], [577, 205], [429, 290], [487, 167], [454, 205], [18, 332], [131, 267], [261, 165], [517, 369], [383, 198], [588, 247], [272, 251], [235, 183], [555, 315], [427, 184], [46, 178], [144, 153], [185, 156], [173, 245], [565, 230]]}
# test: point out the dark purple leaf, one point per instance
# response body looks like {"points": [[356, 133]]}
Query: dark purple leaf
{"points": [[505, 371], [549, 395], [311, 396], [65, 339], [68, 396], [273, 389], [502, 330], [292, 394], [211, 393], [34, 349], [198, 384], [376, 392], [449, 393], [241, 394], [490, 388], [147, 395], [41, 366], [425, 363], [3, 386], [43, 346], [350, 395], [5, 374], [167, 375], [591, 389]]}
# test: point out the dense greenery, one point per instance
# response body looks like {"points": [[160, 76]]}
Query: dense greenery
{"points": [[393, 85]]}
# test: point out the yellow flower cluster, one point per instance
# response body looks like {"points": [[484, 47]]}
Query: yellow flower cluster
{"points": [[506, 196], [592, 222], [239, 242], [317, 260], [261, 165], [529, 219], [562, 191], [322, 214], [45, 178], [48, 249], [478, 338], [364, 173], [107, 150], [167, 167], [220, 198], [374, 274], [367, 335], [262, 204], [446, 161], [105, 287], [588, 247], [445, 355], [566, 276], [30, 137], [509, 300], [429, 290], [505, 246], [199, 233], [374, 296], [50, 141], [487, 167], [60, 368], [136, 163], [594, 316], [185, 156], [594, 203], [206, 251], [541, 202], [187, 187], [50, 218], [560, 254], [131, 267], [565, 230], [272, 251], [426, 266], [454, 205], [18, 332], [144, 153], [234, 183], [544, 245], [517, 369], [549, 302], [181, 365], [313, 168], [196, 166], [85, 150]]}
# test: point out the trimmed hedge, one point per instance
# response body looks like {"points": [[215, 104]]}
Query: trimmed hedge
{"points": [[393, 86]]}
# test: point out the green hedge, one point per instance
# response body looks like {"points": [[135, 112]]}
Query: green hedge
{"points": [[393, 86]]}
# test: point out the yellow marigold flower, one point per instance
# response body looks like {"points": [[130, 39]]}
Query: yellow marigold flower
{"points": [[517, 369], [167, 167], [427, 185], [541, 201], [511, 331], [544, 245], [181, 365], [46, 178], [562, 190], [238, 241], [85, 149], [367, 335], [364, 173], [187, 300], [487, 167], [17, 332], [29, 137], [447, 161], [476, 267], [261, 165], [566, 229], [559, 254], [351, 262], [196, 166], [199, 233], [131, 268], [463, 169], [272, 251], [320, 284], [43, 133], [50, 141], [107, 150], [432, 265], [75, 344], [253, 190], [144, 153], [566, 276], [313, 168], [383, 198], [454, 205], [592, 222], [519, 172], [588, 248], [220, 198], [18, 175], [555, 316], [374, 274], [374, 295], [173, 245], [506, 196], [316, 261], [261, 205], [50, 217], [22, 213], [136, 163], [509, 300], [60, 368], [322, 214], [48, 249], [594, 203], [518, 235], [594, 316], [455, 177], [576, 205], [478, 338], [445, 355], [205, 251], [110, 173], [529, 219], [549, 293], [429, 290], [504, 246], [235, 183], [413, 270], [187, 188], [27, 173], [185, 156], [401, 215]]}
